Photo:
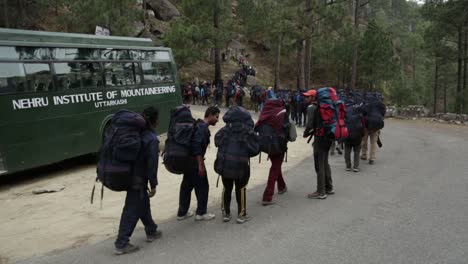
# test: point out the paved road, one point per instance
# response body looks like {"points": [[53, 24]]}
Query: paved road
{"points": [[411, 207]]}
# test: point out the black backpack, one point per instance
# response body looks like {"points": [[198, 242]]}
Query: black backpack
{"points": [[120, 150], [354, 122], [236, 143], [177, 155]]}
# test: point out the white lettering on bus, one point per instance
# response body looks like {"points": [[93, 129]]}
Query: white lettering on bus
{"points": [[30, 103], [96, 97], [110, 103], [147, 91], [77, 98]]}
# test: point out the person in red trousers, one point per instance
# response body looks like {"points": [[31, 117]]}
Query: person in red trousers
{"points": [[273, 126]]}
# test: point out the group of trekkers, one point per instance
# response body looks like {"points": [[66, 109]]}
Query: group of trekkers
{"points": [[206, 93], [128, 158]]}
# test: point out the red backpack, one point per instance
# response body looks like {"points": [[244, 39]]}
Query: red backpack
{"points": [[331, 115]]}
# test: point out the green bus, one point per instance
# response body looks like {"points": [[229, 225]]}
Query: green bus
{"points": [[58, 92]]}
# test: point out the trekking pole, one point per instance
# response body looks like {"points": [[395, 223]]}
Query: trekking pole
{"points": [[310, 138]]}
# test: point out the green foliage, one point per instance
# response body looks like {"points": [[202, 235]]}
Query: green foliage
{"points": [[84, 15]]}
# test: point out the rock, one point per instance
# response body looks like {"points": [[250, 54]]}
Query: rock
{"points": [[49, 189], [138, 28], [163, 9]]}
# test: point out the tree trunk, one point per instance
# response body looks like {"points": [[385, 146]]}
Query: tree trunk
{"points": [[308, 45], [459, 98], [278, 61], [465, 66], [300, 64], [352, 85], [445, 99], [5, 14], [217, 50], [436, 84], [307, 61]]}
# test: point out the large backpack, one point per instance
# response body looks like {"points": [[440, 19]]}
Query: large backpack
{"points": [[120, 150], [236, 143], [177, 156], [273, 142], [354, 122], [331, 115], [375, 112]]}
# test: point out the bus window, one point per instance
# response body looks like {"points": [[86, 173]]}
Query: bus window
{"points": [[68, 75], [91, 74], [157, 72], [8, 53], [76, 54], [156, 55], [32, 53], [38, 77], [12, 78], [120, 74], [115, 54]]}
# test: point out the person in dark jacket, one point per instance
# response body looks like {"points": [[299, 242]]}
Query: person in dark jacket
{"points": [[137, 203], [321, 147], [197, 178], [355, 125]]}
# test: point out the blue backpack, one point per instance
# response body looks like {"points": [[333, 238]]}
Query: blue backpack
{"points": [[120, 150], [237, 143]]}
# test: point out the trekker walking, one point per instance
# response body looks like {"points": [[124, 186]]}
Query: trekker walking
{"points": [[236, 143], [274, 133], [321, 146], [196, 177], [145, 169], [355, 125], [374, 121]]}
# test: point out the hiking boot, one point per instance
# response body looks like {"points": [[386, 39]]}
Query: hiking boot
{"points": [[227, 217], [317, 195], [129, 248], [371, 162], [187, 215], [356, 170], [339, 151], [348, 168], [153, 237], [207, 216], [330, 192], [363, 158], [265, 203], [242, 219], [283, 191]]}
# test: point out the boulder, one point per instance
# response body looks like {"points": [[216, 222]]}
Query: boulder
{"points": [[163, 9]]}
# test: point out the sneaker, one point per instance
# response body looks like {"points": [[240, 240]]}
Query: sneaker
{"points": [[242, 219], [187, 215], [371, 162], [207, 216], [330, 192], [153, 237], [283, 191], [317, 195], [227, 217], [363, 158], [356, 170], [265, 203], [129, 248], [348, 169]]}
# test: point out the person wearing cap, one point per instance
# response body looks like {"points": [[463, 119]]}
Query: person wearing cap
{"points": [[321, 147]]}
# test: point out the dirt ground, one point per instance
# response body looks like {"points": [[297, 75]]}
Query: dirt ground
{"points": [[38, 224]]}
